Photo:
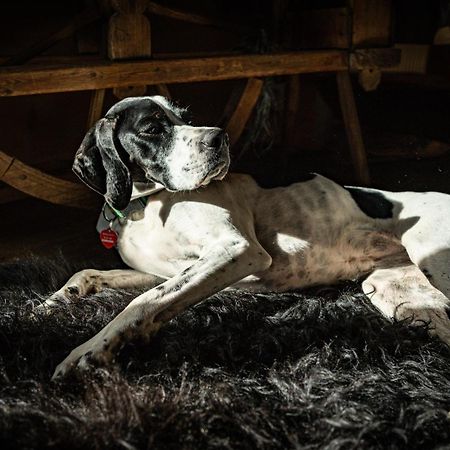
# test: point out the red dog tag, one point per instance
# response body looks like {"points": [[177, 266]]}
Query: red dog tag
{"points": [[108, 238]]}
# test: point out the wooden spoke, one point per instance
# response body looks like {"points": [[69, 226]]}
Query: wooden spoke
{"points": [[353, 128], [244, 109], [95, 107], [45, 187]]}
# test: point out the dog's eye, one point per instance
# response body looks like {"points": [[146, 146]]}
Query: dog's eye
{"points": [[152, 129]]}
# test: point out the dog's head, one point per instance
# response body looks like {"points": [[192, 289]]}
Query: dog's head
{"points": [[145, 139]]}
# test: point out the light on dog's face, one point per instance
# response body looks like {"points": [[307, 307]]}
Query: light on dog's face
{"points": [[179, 156], [197, 156]]}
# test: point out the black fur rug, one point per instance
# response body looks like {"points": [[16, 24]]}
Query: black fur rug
{"points": [[310, 370]]}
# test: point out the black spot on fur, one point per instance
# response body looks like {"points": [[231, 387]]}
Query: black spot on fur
{"points": [[73, 290], [372, 203], [447, 311], [180, 284]]}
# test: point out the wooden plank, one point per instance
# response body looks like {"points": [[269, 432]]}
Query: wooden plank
{"points": [[45, 187], [375, 57], [244, 109], [371, 23], [128, 31], [95, 107], [353, 128], [322, 28], [129, 37], [231, 104], [44, 80]]}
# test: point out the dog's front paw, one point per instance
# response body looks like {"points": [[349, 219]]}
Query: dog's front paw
{"points": [[56, 300], [92, 353]]}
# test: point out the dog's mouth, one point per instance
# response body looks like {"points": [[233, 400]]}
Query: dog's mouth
{"points": [[218, 173]]}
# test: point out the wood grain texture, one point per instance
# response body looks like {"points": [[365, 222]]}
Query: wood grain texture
{"points": [[353, 128], [375, 57], [371, 22], [44, 80], [43, 186], [244, 109], [128, 36], [322, 28]]}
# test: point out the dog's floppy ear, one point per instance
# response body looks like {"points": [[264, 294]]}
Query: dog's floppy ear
{"points": [[98, 164]]}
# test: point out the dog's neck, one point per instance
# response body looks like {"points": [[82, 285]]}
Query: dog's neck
{"points": [[143, 189]]}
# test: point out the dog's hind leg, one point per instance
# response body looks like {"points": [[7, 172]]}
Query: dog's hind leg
{"points": [[424, 230], [404, 292], [91, 281]]}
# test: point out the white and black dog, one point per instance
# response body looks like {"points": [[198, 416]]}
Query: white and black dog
{"points": [[189, 242]]}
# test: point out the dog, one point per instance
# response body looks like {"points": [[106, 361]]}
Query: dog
{"points": [[203, 230]]}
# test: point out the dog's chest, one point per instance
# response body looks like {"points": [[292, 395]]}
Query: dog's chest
{"points": [[166, 238]]}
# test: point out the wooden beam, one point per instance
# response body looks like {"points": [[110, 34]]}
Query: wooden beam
{"points": [[128, 31], [129, 37], [230, 105], [244, 109], [322, 28], [375, 57], [353, 128], [46, 187], [372, 23], [44, 80]]}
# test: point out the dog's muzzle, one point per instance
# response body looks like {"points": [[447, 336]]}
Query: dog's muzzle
{"points": [[214, 139], [216, 142]]}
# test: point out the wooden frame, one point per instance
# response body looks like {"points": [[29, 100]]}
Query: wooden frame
{"points": [[126, 42], [40, 80]]}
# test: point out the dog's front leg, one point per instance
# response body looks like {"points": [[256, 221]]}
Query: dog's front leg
{"points": [[91, 281], [223, 265]]}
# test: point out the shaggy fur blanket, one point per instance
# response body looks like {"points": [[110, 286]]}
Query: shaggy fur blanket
{"points": [[317, 369]]}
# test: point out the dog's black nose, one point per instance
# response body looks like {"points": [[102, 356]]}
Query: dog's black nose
{"points": [[213, 138]]}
